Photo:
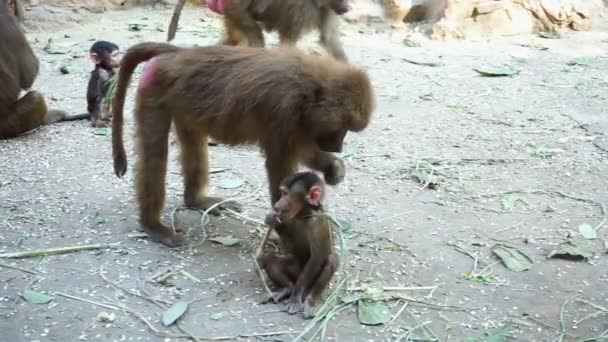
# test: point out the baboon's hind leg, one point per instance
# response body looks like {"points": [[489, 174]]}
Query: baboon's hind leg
{"points": [[152, 137], [195, 165]]}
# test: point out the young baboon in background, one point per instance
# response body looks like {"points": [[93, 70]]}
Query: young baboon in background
{"points": [[295, 106], [244, 21], [308, 260], [104, 56]]}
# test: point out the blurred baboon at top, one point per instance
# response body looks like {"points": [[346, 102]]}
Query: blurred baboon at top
{"points": [[245, 20]]}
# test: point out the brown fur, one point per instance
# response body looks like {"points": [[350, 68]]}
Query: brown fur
{"points": [[244, 21], [19, 69], [294, 106], [308, 260]]}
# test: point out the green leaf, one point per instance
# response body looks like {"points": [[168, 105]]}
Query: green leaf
{"points": [[587, 231], [424, 63], [569, 250], [551, 34], [136, 27], [512, 258], [232, 183], [105, 131], [226, 240], [218, 315], [582, 61], [411, 43], [372, 312], [174, 313], [546, 153], [510, 201], [499, 334], [497, 71], [36, 297]]}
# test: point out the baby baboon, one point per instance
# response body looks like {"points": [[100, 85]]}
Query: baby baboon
{"points": [[308, 260], [244, 21], [295, 106], [104, 56]]}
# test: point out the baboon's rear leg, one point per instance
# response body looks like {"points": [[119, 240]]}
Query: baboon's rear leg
{"points": [[152, 138], [330, 37], [24, 115], [195, 165]]}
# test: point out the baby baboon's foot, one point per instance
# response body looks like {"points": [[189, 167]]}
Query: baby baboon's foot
{"points": [[310, 310], [165, 235], [281, 294], [204, 203], [277, 296]]}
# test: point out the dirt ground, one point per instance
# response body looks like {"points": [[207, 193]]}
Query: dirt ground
{"points": [[452, 164]]}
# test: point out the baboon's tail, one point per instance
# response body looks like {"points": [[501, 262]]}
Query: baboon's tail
{"points": [[133, 57], [175, 19], [76, 117]]}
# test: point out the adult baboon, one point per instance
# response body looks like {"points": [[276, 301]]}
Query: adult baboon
{"points": [[296, 107], [245, 19]]}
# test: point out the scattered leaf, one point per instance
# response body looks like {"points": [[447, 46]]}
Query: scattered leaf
{"points": [[105, 131], [36, 297], [217, 169], [480, 278], [510, 201], [106, 317], [135, 27], [424, 63], [513, 258], [98, 220], [582, 61], [499, 334], [587, 231], [448, 326], [570, 250], [55, 49], [546, 153], [497, 71], [218, 315], [411, 43], [172, 314], [372, 312], [232, 183], [226, 240], [550, 34]]}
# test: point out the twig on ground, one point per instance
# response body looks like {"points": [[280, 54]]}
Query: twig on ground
{"points": [[562, 324], [411, 331], [394, 288], [18, 268], [508, 228], [104, 305], [602, 311], [124, 289], [262, 277], [405, 303], [52, 251], [402, 246]]}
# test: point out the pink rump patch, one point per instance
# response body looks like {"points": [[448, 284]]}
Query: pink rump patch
{"points": [[217, 6], [147, 76]]}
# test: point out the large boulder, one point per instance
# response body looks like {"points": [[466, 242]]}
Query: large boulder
{"points": [[484, 18]]}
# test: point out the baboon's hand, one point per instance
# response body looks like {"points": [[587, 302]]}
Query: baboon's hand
{"points": [[335, 173], [272, 220]]}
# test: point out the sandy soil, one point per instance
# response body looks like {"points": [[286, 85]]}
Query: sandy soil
{"points": [[426, 182]]}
